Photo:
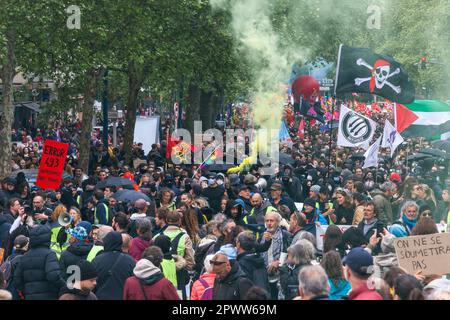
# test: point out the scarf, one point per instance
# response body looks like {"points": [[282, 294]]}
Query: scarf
{"points": [[275, 248], [410, 224]]}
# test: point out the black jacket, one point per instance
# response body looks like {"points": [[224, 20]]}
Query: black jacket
{"points": [[253, 266], [38, 275], [379, 226], [74, 253], [113, 268], [289, 280], [4, 230], [234, 286]]}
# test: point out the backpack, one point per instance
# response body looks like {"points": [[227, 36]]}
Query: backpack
{"points": [[208, 293], [6, 269]]}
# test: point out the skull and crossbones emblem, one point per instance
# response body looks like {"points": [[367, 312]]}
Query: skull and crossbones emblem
{"points": [[381, 72]]}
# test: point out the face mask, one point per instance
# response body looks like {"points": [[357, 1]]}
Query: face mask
{"points": [[220, 182], [211, 181]]}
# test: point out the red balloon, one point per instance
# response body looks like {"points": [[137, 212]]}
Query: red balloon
{"points": [[306, 86]]}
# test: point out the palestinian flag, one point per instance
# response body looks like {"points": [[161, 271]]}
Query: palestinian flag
{"points": [[360, 70], [432, 119]]}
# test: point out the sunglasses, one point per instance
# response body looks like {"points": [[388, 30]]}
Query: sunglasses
{"points": [[217, 263], [426, 214]]}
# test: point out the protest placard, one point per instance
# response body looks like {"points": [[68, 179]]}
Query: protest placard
{"points": [[52, 164], [320, 234], [429, 254]]}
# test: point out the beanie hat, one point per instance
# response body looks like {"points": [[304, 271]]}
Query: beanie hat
{"points": [[396, 177], [315, 189], [86, 225], [87, 270], [78, 232]]}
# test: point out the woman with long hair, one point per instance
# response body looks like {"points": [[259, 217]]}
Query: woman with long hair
{"points": [[333, 241], [339, 287], [189, 222], [345, 209]]}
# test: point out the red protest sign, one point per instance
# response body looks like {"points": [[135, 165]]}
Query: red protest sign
{"points": [[52, 164]]}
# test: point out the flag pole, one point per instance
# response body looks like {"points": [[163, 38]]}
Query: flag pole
{"points": [[331, 138], [210, 155]]}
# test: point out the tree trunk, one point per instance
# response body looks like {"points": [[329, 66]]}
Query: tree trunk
{"points": [[92, 82], [193, 108], [206, 109], [215, 109], [6, 119], [135, 79]]}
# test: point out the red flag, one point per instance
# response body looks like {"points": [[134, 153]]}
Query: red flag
{"points": [[301, 130], [170, 144], [404, 117]]}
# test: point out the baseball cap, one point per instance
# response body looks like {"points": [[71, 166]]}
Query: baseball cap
{"points": [[276, 186], [140, 204], [359, 261], [243, 187], [21, 243]]}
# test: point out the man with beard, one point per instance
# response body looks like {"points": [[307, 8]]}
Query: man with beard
{"points": [[276, 254], [276, 198]]}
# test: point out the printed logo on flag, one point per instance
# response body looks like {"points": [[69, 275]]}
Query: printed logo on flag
{"points": [[356, 128]]}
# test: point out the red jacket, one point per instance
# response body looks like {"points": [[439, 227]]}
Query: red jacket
{"points": [[198, 289], [137, 247], [162, 289], [364, 293]]}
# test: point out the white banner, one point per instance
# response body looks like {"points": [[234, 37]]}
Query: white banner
{"points": [[355, 130], [371, 155], [391, 138], [146, 131]]}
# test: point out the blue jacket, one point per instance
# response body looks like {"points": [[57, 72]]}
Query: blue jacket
{"points": [[339, 291]]}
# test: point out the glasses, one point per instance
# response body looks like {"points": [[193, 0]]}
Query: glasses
{"points": [[217, 263]]}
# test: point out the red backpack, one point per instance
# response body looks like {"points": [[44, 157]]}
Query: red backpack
{"points": [[208, 293]]}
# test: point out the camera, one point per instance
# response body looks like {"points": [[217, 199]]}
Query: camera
{"points": [[28, 210]]}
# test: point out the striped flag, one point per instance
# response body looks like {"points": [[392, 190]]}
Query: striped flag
{"points": [[433, 119]]}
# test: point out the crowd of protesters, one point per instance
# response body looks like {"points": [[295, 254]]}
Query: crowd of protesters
{"points": [[206, 235]]}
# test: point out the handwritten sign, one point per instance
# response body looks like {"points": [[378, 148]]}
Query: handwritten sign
{"points": [[429, 254], [52, 164]]}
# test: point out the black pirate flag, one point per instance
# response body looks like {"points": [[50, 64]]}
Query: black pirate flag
{"points": [[362, 71]]}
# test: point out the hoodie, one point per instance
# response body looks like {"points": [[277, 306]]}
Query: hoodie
{"points": [[113, 268], [74, 253], [148, 283], [137, 247], [339, 291]]}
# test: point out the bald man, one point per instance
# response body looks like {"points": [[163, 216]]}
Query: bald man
{"points": [[260, 208]]}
